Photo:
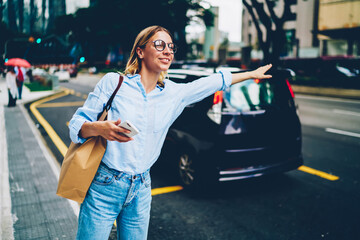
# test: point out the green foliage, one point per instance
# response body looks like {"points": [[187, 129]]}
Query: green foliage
{"points": [[208, 17], [37, 86], [112, 22]]}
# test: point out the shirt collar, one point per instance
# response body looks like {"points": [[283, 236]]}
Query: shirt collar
{"points": [[137, 78]]}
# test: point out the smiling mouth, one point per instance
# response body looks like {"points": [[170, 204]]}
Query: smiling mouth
{"points": [[165, 60]]}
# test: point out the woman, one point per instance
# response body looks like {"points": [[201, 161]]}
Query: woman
{"points": [[121, 188], [11, 85]]}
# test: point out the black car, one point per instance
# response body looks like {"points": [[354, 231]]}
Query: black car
{"points": [[249, 130]]}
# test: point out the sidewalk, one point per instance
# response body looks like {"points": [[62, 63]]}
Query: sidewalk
{"points": [[30, 209]]}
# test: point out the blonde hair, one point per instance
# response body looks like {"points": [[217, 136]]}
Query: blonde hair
{"points": [[133, 65]]}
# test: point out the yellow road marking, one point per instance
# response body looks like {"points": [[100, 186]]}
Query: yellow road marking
{"points": [[61, 104], [318, 173], [163, 190], [48, 128]]}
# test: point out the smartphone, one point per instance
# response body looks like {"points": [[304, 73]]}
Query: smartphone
{"points": [[129, 126]]}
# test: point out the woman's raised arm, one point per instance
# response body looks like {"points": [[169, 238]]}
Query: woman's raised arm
{"points": [[256, 74]]}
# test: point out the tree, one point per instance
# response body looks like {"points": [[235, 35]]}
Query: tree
{"points": [[112, 22], [273, 39], [32, 16], [43, 15], [11, 15], [20, 9]]}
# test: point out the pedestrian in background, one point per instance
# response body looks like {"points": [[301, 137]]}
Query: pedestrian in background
{"points": [[20, 77], [11, 85], [121, 188], [29, 75]]}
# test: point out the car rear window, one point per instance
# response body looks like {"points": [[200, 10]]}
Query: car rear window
{"points": [[257, 94]]}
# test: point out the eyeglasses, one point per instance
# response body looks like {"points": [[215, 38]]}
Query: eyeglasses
{"points": [[160, 46]]}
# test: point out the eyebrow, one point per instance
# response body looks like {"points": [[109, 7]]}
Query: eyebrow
{"points": [[162, 40]]}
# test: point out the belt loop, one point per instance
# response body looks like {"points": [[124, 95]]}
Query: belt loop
{"points": [[142, 177]]}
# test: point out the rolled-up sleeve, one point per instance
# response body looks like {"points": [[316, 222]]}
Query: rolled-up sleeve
{"points": [[199, 89], [93, 105]]}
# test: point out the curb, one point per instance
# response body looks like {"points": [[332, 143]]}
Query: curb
{"points": [[6, 218], [327, 92]]}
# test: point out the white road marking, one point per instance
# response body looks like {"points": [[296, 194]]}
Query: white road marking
{"points": [[341, 132], [346, 112]]}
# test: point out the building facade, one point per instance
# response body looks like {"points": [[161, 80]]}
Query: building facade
{"points": [[321, 28], [300, 32], [339, 27]]}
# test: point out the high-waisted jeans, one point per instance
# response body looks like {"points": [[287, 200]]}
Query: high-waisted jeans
{"points": [[115, 195]]}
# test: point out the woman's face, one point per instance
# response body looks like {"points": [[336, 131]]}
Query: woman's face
{"points": [[154, 60]]}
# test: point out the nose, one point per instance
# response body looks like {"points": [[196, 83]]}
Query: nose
{"points": [[167, 50]]}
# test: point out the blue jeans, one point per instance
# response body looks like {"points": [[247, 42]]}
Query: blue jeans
{"points": [[115, 195]]}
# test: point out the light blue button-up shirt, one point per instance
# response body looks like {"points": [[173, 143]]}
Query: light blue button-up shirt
{"points": [[152, 114]]}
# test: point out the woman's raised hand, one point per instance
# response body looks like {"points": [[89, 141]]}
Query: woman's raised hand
{"points": [[256, 74], [260, 72]]}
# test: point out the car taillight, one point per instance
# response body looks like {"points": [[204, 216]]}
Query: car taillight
{"points": [[214, 112], [290, 89], [257, 81], [218, 97]]}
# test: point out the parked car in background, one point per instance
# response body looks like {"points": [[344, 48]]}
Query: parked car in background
{"points": [[73, 71], [63, 75], [40, 72], [42, 76], [249, 130]]}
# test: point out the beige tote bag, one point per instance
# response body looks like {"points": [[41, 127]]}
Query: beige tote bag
{"points": [[82, 161]]}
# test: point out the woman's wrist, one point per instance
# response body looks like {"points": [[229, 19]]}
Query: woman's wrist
{"points": [[239, 77], [89, 129], [252, 74]]}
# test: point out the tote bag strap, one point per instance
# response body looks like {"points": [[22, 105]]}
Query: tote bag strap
{"points": [[109, 102]]}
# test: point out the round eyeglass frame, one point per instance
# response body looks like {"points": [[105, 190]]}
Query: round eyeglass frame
{"points": [[162, 47]]}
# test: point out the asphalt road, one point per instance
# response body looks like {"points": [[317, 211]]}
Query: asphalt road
{"points": [[301, 204]]}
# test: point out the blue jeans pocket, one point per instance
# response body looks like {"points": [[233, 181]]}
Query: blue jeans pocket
{"points": [[103, 177]]}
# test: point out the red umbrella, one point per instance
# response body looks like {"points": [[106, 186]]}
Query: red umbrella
{"points": [[18, 62]]}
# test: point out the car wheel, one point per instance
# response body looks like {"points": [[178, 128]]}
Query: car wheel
{"points": [[186, 169]]}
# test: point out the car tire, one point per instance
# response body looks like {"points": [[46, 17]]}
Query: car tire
{"points": [[186, 169], [193, 175]]}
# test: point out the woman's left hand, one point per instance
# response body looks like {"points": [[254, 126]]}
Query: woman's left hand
{"points": [[256, 74], [260, 72]]}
